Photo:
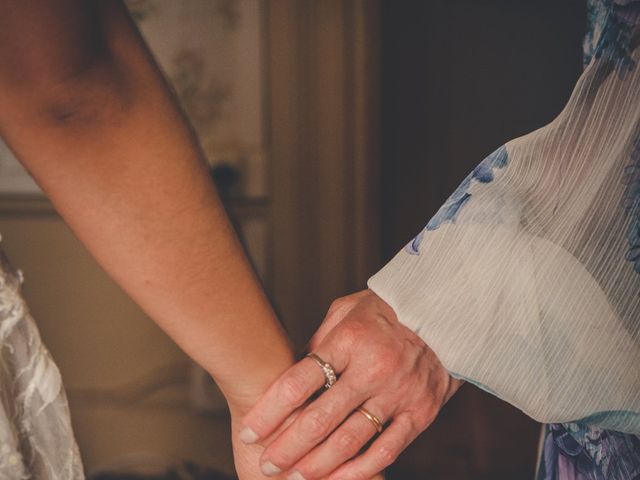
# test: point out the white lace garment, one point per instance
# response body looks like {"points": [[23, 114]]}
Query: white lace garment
{"points": [[36, 439]]}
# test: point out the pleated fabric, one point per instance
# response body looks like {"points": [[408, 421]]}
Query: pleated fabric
{"points": [[527, 280]]}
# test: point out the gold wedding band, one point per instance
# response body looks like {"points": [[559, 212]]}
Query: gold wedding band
{"points": [[327, 369], [371, 417]]}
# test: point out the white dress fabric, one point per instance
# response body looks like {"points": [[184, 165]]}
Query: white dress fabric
{"points": [[527, 280], [36, 438]]}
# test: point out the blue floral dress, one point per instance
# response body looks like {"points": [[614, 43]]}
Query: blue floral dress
{"points": [[572, 450], [526, 282]]}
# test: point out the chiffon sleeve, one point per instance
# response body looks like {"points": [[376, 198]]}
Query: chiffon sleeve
{"points": [[527, 280]]}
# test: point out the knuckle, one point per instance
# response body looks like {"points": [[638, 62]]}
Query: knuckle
{"points": [[280, 457], [292, 390], [416, 422], [350, 333], [387, 454], [311, 471], [348, 443], [411, 423], [354, 334], [315, 423], [423, 418], [337, 304], [384, 362]]}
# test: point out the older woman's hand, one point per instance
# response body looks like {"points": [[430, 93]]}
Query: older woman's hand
{"points": [[382, 366]]}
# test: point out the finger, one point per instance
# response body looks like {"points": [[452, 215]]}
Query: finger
{"points": [[311, 427], [292, 389], [337, 311], [382, 453], [342, 445]]}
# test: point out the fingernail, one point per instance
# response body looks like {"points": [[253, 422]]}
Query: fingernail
{"points": [[295, 475], [269, 469], [248, 436]]}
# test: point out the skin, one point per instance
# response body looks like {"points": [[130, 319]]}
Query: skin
{"points": [[86, 110], [383, 366]]}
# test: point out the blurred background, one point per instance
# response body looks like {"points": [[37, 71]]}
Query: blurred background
{"points": [[334, 130]]}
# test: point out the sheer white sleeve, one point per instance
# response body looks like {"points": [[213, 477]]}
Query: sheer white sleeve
{"points": [[527, 280]]}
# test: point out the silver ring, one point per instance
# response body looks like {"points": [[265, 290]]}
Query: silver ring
{"points": [[327, 369]]}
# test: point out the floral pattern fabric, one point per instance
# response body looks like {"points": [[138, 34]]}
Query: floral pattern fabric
{"points": [[581, 452]]}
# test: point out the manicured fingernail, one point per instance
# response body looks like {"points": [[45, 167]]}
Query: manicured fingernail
{"points": [[248, 436], [269, 469], [295, 475]]}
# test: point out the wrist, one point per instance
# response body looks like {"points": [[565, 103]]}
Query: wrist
{"points": [[240, 403], [245, 388]]}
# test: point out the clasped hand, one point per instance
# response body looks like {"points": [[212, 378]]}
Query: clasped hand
{"points": [[382, 366]]}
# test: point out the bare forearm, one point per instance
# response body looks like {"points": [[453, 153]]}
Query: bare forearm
{"points": [[112, 151]]}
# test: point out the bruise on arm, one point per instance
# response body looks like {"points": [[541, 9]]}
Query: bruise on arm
{"points": [[62, 60], [77, 87]]}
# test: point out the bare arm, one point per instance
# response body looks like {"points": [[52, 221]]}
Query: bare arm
{"points": [[86, 110]]}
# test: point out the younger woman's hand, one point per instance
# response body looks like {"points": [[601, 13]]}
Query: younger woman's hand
{"points": [[246, 457], [382, 366]]}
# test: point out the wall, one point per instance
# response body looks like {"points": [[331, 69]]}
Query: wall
{"points": [[127, 381]]}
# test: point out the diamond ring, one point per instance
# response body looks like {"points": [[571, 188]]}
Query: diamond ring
{"points": [[329, 373]]}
